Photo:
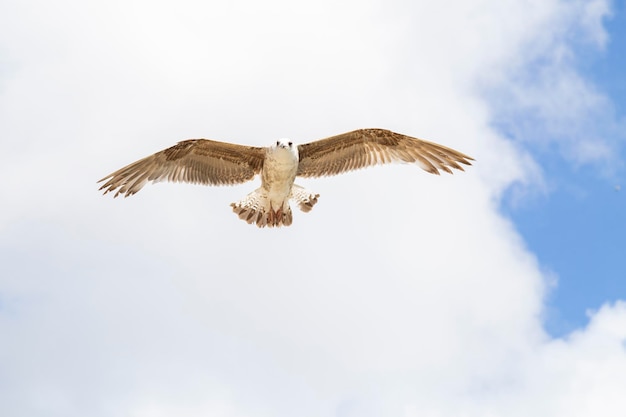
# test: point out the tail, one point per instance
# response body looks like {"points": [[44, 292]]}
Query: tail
{"points": [[256, 208]]}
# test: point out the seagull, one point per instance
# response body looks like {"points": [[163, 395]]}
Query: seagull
{"points": [[209, 162]]}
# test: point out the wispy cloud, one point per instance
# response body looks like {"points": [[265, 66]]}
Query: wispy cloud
{"points": [[542, 98]]}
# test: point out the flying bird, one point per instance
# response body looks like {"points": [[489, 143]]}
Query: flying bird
{"points": [[209, 162]]}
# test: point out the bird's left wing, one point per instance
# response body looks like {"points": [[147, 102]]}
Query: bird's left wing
{"points": [[366, 147], [199, 161]]}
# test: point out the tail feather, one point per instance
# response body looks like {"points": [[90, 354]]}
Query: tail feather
{"points": [[256, 208]]}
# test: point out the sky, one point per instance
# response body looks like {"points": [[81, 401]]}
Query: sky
{"points": [[498, 291]]}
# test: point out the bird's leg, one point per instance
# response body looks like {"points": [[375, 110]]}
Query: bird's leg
{"points": [[278, 215]]}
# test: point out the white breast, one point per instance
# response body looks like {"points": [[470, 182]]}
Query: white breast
{"points": [[279, 173]]}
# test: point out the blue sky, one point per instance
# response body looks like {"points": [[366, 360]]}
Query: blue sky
{"points": [[578, 229], [495, 291]]}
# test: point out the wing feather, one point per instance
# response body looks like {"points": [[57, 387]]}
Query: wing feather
{"points": [[199, 161], [366, 147]]}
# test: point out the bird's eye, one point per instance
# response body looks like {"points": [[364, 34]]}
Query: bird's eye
{"points": [[277, 143], [290, 143]]}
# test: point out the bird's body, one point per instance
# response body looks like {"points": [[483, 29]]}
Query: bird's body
{"points": [[279, 172], [218, 163], [269, 204]]}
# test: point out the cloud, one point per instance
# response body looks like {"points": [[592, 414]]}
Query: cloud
{"points": [[540, 96], [411, 297]]}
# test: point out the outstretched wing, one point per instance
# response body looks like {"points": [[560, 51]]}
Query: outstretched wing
{"points": [[366, 147], [198, 161]]}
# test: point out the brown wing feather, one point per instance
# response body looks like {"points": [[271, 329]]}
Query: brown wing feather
{"points": [[366, 147], [199, 161]]}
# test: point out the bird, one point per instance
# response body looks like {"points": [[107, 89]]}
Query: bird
{"points": [[210, 162]]}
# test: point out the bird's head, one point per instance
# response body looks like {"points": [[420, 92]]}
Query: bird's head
{"points": [[284, 144], [286, 148]]}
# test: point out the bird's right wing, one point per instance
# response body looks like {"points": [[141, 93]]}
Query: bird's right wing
{"points": [[366, 147], [199, 161]]}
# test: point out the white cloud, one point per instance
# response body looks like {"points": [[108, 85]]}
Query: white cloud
{"points": [[540, 96], [416, 298]]}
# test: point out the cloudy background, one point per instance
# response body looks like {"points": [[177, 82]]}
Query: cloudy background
{"points": [[494, 292]]}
